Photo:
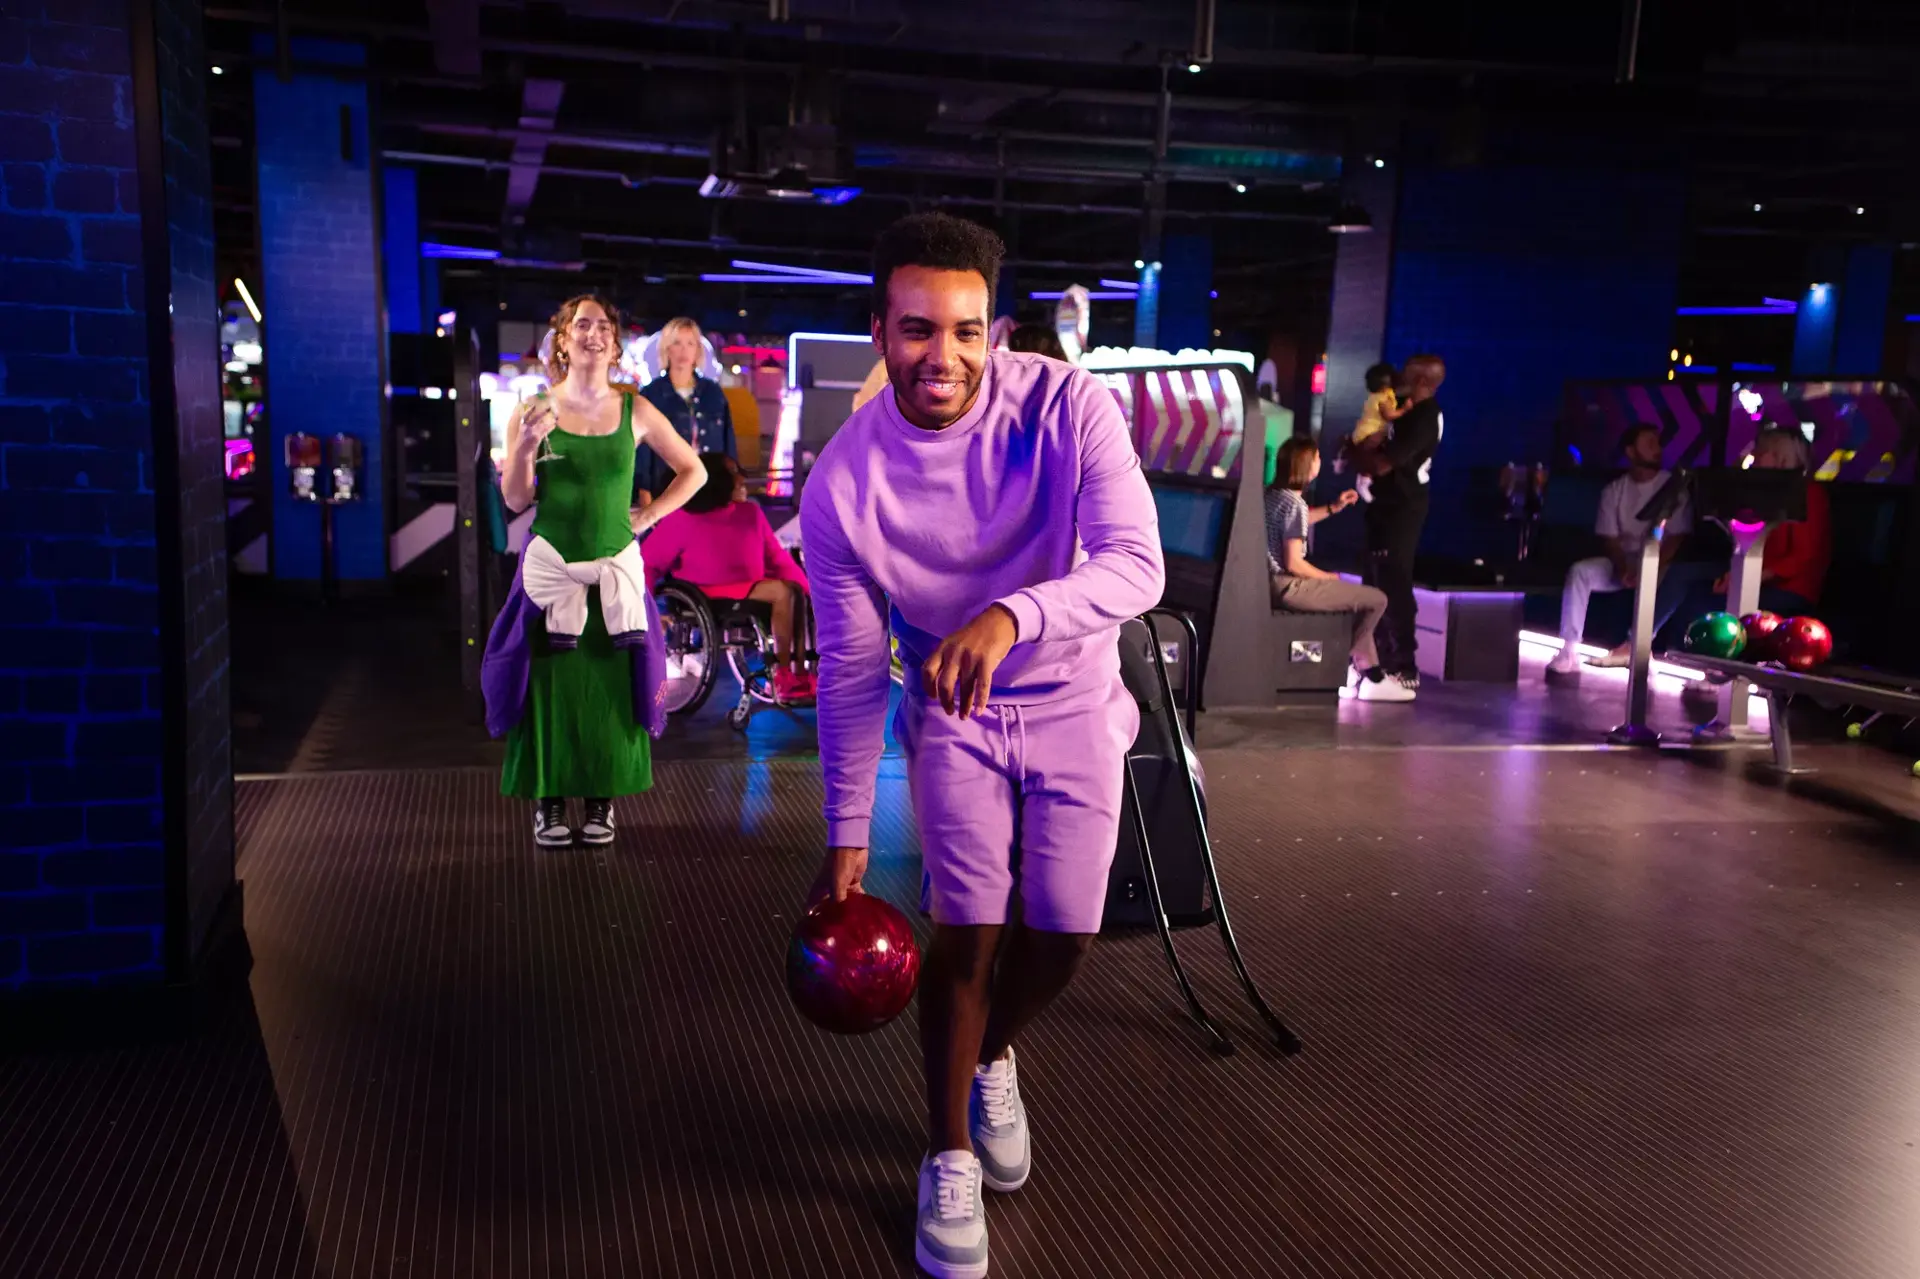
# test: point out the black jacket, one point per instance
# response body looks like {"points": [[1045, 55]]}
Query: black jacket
{"points": [[1410, 449]]}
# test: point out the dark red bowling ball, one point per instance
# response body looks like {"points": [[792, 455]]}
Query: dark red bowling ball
{"points": [[852, 965], [1762, 635], [1803, 643]]}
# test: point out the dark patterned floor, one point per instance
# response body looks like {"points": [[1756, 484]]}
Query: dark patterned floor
{"points": [[1566, 1014]]}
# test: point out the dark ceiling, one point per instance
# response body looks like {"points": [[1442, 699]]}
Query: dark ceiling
{"points": [[582, 130]]}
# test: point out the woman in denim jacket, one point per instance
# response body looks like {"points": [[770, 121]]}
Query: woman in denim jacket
{"points": [[695, 405]]}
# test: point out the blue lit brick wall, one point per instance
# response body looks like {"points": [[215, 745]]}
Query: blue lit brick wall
{"points": [[320, 265], [1525, 277], [200, 447], [83, 860]]}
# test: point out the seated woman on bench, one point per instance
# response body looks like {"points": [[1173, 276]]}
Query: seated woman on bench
{"points": [[1299, 587], [722, 543]]}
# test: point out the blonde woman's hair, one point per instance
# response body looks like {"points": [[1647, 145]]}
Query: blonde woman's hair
{"points": [[673, 326], [562, 324], [1780, 441]]}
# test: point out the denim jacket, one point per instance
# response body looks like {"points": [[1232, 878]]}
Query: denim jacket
{"points": [[706, 423]]}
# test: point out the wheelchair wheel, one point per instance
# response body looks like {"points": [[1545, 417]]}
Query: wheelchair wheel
{"points": [[737, 718], [692, 644]]}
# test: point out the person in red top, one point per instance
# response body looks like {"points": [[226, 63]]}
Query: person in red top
{"points": [[1793, 572], [722, 543], [1798, 552]]}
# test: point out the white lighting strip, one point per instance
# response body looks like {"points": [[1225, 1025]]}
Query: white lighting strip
{"points": [[1672, 671]]}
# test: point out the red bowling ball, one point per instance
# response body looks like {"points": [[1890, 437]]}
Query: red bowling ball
{"points": [[852, 965], [1762, 636], [1803, 643]]}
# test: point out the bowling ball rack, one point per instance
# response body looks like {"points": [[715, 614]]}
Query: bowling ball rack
{"points": [[1881, 693]]}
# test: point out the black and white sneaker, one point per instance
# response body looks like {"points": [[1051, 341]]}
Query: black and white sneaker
{"points": [[1376, 685], [550, 829], [596, 827]]}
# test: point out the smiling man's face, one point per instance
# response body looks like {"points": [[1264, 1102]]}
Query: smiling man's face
{"points": [[934, 341]]}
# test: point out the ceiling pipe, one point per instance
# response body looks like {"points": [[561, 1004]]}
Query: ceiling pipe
{"points": [[631, 181], [1203, 17], [1629, 42], [1025, 206], [586, 141], [724, 245]]}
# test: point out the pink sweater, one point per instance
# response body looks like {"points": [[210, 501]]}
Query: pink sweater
{"points": [[1034, 499], [731, 547]]}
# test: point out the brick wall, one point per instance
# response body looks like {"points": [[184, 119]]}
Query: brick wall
{"points": [[83, 861], [200, 476], [320, 268]]}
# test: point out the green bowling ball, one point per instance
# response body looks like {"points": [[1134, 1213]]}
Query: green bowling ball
{"points": [[1716, 635]]}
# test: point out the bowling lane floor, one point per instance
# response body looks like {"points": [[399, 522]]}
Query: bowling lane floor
{"points": [[1565, 1014]]}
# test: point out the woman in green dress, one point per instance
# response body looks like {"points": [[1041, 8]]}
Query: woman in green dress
{"points": [[571, 450]]}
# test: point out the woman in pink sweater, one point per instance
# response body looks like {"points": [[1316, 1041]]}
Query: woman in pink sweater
{"points": [[721, 542]]}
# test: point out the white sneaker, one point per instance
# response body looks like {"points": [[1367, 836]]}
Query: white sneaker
{"points": [[997, 1122], [1388, 688], [1566, 661], [950, 1240], [550, 829], [596, 827]]}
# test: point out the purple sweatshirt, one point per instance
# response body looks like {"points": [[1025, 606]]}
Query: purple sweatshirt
{"points": [[1035, 499]]}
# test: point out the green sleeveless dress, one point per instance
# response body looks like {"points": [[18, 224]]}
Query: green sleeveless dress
{"points": [[578, 738]]}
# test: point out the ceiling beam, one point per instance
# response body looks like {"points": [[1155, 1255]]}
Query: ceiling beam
{"points": [[455, 27], [539, 107]]}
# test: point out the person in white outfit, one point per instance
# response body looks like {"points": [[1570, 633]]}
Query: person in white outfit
{"points": [[1623, 534]]}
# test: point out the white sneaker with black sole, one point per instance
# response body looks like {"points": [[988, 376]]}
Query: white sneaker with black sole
{"points": [[596, 825], [550, 829], [1376, 685]]}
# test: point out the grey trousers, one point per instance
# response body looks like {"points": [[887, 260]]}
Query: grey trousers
{"points": [[1317, 595]]}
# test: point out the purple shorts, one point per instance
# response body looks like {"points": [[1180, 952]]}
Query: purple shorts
{"points": [[1026, 795]]}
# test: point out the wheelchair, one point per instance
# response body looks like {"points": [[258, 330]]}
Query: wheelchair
{"points": [[700, 634]]}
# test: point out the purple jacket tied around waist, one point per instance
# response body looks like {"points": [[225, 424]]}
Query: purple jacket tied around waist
{"points": [[505, 669]]}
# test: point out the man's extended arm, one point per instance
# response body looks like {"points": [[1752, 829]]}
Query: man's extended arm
{"points": [[851, 623], [1124, 574]]}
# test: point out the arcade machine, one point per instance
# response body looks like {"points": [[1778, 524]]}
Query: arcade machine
{"points": [[243, 408]]}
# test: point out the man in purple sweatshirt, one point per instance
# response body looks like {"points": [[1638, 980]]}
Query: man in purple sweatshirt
{"points": [[992, 508]]}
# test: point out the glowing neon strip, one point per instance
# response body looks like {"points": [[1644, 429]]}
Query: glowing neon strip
{"points": [[253, 308], [724, 277], [1125, 286], [459, 252], [1788, 309], [1096, 295], [809, 272], [1756, 706]]}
